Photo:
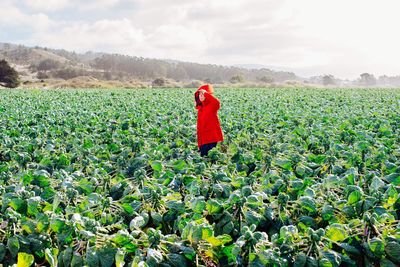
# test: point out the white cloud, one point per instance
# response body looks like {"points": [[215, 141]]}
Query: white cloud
{"points": [[340, 37], [177, 40], [13, 19], [47, 5], [95, 4], [105, 35]]}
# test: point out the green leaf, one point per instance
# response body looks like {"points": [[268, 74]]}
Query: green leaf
{"points": [[88, 143], [219, 240], [336, 232], [312, 262], [122, 238], [179, 165], [17, 204], [154, 258], [214, 241], [283, 163], [327, 212], [119, 258], [376, 184], [224, 239], [2, 251], [354, 197], [177, 206], [324, 262], [51, 256], [350, 249], [27, 179], [63, 161], [33, 206], [137, 223], [25, 259], [66, 256], [308, 204], [391, 195], [393, 178], [156, 165], [13, 246], [288, 230], [253, 217], [206, 232], [387, 263], [77, 260], [107, 256], [333, 258], [198, 205], [28, 226], [57, 225], [56, 202], [42, 177], [213, 206], [227, 251], [300, 260], [377, 247], [177, 260], [92, 258], [392, 250]]}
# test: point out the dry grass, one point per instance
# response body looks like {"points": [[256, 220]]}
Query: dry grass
{"points": [[84, 82], [91, 82]]}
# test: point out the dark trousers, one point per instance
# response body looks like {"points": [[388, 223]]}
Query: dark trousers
{"points": [[205, 148]]}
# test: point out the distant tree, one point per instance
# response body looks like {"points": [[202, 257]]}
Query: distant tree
{"points": [[159, 82], [41, 75], [328, 80], [367, 79], [237, 79], [194, 84], [120, 75], [150, 69], [179, 73], [48, 64], [389, 81], [107, 75], [8, 76], [105, 62], [66, 74], [266, 79]]}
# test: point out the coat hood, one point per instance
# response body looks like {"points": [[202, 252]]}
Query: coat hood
{"points": [[207, 87]]}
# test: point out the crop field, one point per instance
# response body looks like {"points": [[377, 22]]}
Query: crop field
{"points": [[305, 177]]}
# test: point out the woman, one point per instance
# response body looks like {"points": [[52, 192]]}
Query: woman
{"points": [[208, 127]]}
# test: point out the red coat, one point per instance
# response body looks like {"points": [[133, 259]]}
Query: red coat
{"points": [[208, 126]]}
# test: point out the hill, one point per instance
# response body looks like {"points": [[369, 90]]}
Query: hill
{"points": [[38, 64]]}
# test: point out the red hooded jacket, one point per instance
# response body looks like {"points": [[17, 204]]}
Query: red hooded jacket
{"points": [[208, 126]]}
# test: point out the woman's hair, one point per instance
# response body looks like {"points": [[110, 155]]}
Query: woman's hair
{"points": [[197, 99], [206, 87]]}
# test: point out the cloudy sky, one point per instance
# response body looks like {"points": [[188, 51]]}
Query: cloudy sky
{"points": [[339, 37]]}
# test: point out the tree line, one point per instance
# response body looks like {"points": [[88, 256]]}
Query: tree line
{"points": [[62, 64], [116, 66]]}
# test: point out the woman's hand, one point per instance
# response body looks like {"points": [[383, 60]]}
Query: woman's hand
{"points": [[201, 95]]}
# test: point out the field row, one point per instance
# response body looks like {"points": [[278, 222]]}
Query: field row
{"points": [[305, 177]]}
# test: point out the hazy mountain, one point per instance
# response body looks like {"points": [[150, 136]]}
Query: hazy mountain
{"points": [[59, 63], [44, 63]]}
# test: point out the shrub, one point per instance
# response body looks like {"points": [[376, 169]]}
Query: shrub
{"points": [[194, 84], [42, 75], [8, 76], [159, 82], [237, 79]]}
